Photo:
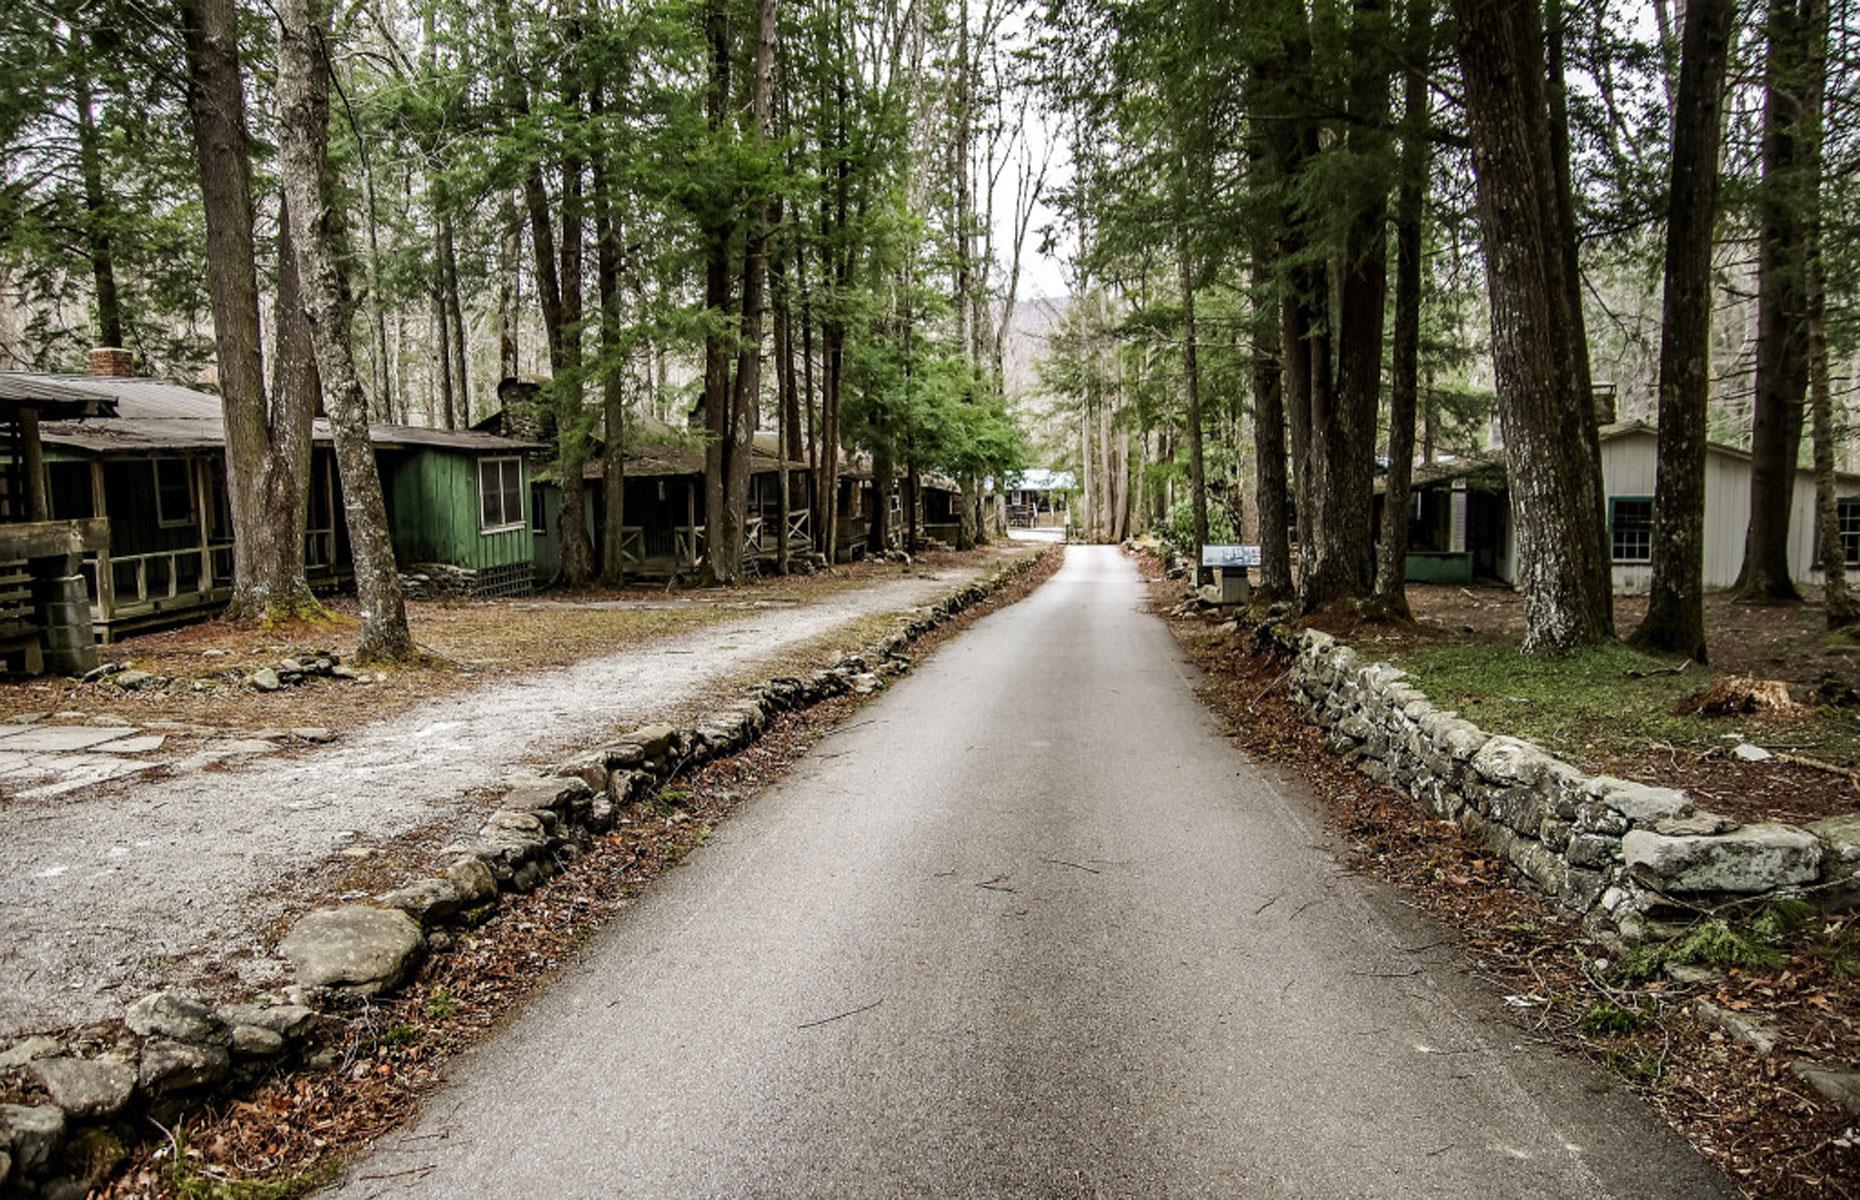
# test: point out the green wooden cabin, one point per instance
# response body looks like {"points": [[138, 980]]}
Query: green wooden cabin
{"points": [[460, 508], [665, 508], [155, 471]]}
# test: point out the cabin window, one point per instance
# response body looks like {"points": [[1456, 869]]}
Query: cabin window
{"points": [[174, 493], [539, 514], [500, 494], [1847, 513], [1630, 528]]}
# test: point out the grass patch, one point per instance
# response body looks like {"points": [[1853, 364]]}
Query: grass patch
{"points": [[1602, 698], [1718, 944], [441, 1005], [1605, 1018], [401, 1034]]}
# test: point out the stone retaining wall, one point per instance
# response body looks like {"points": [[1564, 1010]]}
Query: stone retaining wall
{"points": [[171, 1052], [1628, 856]]}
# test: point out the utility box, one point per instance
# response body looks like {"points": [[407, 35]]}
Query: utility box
{"points": [[1225, 568]]}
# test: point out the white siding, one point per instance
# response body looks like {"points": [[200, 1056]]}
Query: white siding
{"points": [[1629, 466]]}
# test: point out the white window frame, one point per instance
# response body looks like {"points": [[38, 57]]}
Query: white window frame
{"points": [[162, 519], [1847, 522], [507, 524]]}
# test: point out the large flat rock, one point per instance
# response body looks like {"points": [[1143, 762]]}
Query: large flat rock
{"points": [[357, 946], [1755, 858]]}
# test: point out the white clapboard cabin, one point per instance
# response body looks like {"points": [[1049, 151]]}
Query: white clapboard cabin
{"points": [[1462, 521]]}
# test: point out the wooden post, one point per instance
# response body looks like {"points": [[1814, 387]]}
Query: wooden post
{"points": [[106, 575], [203, 495], [32, 458]]}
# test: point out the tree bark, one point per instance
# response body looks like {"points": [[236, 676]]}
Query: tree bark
{"points": [[746, 403], [441, 358], [449, 291], [267, 447], [1275, 550], [509, 292], [607, 235], [1191, 383], [1341, 564], [1841, 609], [569, 387], [1548, 415], [1782, 333], [1675, 619], [97, 216], [787, 419], [723, 556], [1391, 593], [303, 128]]}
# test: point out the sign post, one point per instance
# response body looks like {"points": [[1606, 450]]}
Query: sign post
{"points": [[1229, 567]]}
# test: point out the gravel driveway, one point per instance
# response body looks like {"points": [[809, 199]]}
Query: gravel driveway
{"points": [[107, 891]]}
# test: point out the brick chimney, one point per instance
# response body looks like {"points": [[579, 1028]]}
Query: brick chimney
{"points": [[112, 362]]}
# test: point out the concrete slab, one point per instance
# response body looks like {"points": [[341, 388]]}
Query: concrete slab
{"points": [[61, 737], [89, 773], [132, 745]]}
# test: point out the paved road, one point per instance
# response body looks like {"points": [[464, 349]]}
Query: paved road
{"points": [[1028, 927]]}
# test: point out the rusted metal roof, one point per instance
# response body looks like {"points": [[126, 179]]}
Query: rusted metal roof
{"points": [[52, 398], [153, 414], [383, 434]]}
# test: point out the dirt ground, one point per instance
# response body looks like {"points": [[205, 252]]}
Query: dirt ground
{"points": [[1639, 1019], [470, 642], [182, 872]]}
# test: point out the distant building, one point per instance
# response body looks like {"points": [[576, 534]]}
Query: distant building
{"points": [[1460, 528], [1038, 498]]}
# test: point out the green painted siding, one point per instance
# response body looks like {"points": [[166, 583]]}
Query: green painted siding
{"points": [[1439, 566], [434, 507]]}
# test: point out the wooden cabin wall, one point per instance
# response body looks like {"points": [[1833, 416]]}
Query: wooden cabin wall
{"points": [[433, 511]]}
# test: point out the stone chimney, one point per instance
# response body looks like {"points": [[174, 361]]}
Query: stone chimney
{"points": [[112, 362], [1604, 396]]}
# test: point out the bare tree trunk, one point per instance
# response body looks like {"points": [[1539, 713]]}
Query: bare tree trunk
{"points": [[267, 447], [1191, 387], [748, 384], [1548, 414], [441, 357], [723, 557], [785, 416], [1392, 568], [1842, 610], [1557, 93], [96, 215], [303, 101], [1782, 342], [1270, 489], [377, 304], [1675, 618], [449, 290], [607, 234], [1343, 420], [296, 390], [571, 417], [509, 292]]}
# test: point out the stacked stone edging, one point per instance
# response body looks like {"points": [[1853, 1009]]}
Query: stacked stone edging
{"points": [[1628, 857], [171, 1052]]}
